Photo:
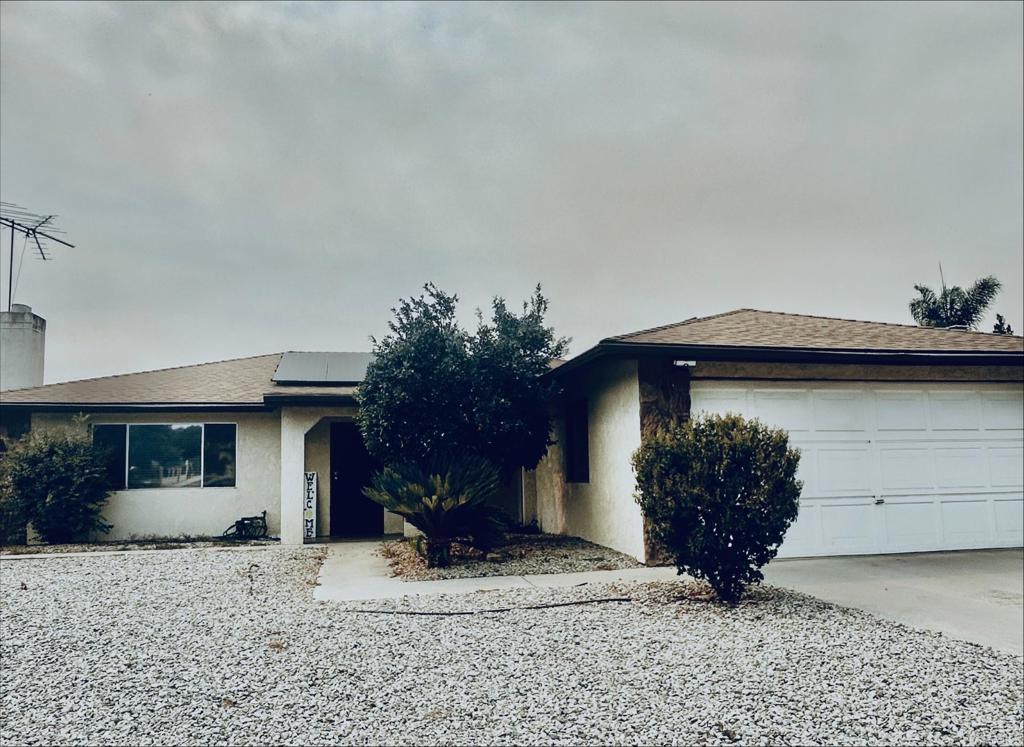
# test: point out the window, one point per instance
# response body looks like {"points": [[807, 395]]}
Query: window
{"points": [[577, 442], [113, 439], [219, 455], [165, 456], [169, 455]]}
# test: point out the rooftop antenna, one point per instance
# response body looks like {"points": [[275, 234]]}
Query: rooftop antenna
{"points": [[19, 220], [944, 296]]}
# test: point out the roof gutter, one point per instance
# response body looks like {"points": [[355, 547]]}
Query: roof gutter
{"points": [[617, 349], [270, 402], [123, 407], [279, 400]]}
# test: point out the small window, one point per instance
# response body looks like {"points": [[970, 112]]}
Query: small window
{"points": [[219, 455], [165, 456], [577, 442], [112, 439]]}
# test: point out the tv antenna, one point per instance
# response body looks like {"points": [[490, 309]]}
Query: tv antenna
{"points": [[38, 228]]}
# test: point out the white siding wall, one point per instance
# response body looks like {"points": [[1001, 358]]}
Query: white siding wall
{"points": [[603, 510], [195, 512]]}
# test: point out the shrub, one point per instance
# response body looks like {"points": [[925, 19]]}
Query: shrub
{"points": [[12, 527], [451, 503], [719, 493], [57, 481], [436, 392]]}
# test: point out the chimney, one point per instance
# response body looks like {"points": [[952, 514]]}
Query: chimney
{"points": [[22, 343]]}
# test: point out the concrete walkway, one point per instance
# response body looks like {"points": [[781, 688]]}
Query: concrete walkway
{"points": [[973, 595], [354, 571]]}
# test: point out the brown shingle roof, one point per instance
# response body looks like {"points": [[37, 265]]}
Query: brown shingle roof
{"points": [[750, 328], [242, 382]]}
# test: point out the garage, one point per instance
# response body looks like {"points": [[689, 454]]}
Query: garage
{"points": [[890, 467], [912, 438]]}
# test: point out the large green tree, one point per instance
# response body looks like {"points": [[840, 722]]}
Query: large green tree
{"points": [[436, 392], [953, 306]]}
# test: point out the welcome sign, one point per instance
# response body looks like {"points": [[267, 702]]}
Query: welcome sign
{"points": [[309, 506]]}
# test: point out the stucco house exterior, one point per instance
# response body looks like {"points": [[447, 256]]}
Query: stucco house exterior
{"points": [[911, 438]]}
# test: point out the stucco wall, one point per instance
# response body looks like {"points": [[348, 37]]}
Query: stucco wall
{"points": [[195, 512], [318, 459], [602, 510]]}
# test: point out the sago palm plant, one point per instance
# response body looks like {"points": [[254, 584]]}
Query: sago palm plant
{"points": [[448, 503]]}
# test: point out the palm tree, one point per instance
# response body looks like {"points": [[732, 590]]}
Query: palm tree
{"points": [[954, 306]]}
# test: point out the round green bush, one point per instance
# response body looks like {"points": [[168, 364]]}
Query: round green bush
{"points": [[719, 493], [57, 481]]}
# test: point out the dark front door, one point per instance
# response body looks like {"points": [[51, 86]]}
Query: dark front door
{"points": [[352, 513]]}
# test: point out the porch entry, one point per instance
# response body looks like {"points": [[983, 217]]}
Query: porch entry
{"points": [[352, 513]]}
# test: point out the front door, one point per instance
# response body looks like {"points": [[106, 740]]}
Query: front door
{"points": [[352, 513]]}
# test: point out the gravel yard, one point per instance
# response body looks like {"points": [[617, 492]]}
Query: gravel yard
{"points": [[521, 555], [183, 544], [203, 646]]}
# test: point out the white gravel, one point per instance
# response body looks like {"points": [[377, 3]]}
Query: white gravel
{"points": [[128, 546], [183, 648]]}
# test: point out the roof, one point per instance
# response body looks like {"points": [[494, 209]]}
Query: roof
{"points": [[744, 334], [240, 383], [751, 328], [753, 335]]}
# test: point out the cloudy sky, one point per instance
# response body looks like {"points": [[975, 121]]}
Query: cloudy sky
{"points": [[242, 179]]}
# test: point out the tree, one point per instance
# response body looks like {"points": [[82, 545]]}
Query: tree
{"points": [[436, 392], [1001, 327], [954, 306], [57, 481], [719, 493]]}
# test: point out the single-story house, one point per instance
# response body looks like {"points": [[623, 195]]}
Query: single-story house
{"points": [[911, 438]]}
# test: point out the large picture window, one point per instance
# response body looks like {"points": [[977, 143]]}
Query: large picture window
{"points": [[169, 455]]}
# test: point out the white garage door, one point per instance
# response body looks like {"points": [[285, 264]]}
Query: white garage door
{"points": [[894, 468]]}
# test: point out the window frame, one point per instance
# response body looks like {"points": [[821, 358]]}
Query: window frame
{"points": [[202, 453]]}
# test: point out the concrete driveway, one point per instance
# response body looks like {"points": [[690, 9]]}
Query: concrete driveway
{"points": [[974, 595]]}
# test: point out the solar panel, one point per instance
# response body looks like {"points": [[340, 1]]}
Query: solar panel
{"points": [[322, 368]]}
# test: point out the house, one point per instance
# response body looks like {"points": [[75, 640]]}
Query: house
{"points": [[911, 437]]}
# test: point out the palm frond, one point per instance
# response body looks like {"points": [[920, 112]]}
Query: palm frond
{"points": [[926, 308], [978, 298], [954, 306]]}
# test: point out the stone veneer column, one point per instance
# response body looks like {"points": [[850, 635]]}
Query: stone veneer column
{"points": [[664, 400]]}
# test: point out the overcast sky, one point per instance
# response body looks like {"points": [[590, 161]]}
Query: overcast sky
{"points": [[242, 179]]}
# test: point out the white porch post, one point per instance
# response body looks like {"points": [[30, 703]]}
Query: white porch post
{"points": [[293, 459]]}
